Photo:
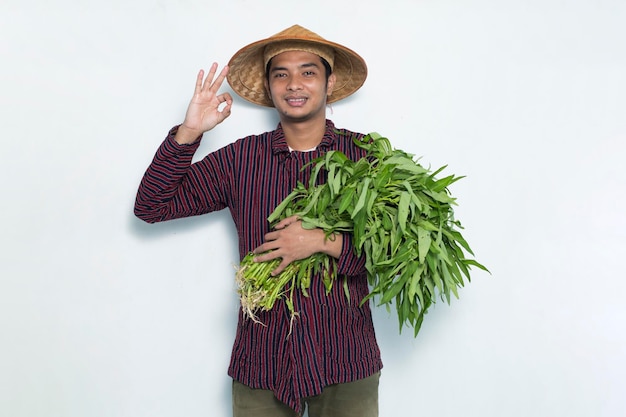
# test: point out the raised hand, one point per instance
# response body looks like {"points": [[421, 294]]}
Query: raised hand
{"points": [[204, 111]]}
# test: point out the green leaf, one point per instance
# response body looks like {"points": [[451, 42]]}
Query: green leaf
{"points": [[362, 197], [472, 262], [403, 210], [391, 293], [346, 199], [281, 207], [415, 282], [424, 242], [443, 183]]}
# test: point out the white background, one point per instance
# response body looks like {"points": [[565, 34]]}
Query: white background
{"points": [[102, 315]]}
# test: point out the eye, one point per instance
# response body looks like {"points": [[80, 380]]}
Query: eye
{"points": [[309, 73]]}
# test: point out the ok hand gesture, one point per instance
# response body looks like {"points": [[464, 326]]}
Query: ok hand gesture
{"points": [[204, 112]]}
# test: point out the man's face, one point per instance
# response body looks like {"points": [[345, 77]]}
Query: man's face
{"points": [[298, 86]]}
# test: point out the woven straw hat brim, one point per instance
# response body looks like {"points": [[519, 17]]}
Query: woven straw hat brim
{"points": [[247, 70]]}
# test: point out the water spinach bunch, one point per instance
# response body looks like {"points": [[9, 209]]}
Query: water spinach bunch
{"points": [[402, 220]]}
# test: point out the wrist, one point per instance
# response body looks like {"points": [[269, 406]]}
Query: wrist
{"points": [[331, 245], [185, 135]]}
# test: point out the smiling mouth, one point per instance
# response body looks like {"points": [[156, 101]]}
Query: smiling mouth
{"points": [[296, 101]]}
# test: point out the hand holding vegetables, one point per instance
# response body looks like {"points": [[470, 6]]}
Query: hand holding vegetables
{"points": [[290, 241], [401, 217]]}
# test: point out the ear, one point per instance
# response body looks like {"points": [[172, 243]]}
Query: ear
{"points": [[267, 88], [330, 85]]}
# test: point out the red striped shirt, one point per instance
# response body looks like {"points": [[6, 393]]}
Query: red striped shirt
{"points": [[332, 339]]}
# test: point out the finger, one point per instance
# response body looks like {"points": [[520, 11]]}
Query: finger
{"points": [[209, 78], [261, 250], [271, 236], [225, 111], [220, 78], [280, 268], [226, 98], [199, 79], [286, 222], [267, 257]]}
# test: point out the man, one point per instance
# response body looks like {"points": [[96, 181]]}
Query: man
{"points": [[328, 360]]}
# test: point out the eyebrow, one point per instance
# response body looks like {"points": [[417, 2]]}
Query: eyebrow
{"points": [[306, 65]]}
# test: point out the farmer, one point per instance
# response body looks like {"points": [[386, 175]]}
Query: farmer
{"points": [[327, 360]]}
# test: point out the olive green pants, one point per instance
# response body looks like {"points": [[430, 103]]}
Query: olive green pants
{"points": [[352, 399]]}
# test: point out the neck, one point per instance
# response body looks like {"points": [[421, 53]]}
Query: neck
{"points": [[304, 135]]}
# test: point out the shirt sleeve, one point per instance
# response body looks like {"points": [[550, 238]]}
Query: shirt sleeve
{"points": [[349, 263], [172, 187]]}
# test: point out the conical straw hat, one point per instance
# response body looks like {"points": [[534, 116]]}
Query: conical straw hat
{"points": [[247, 67]]}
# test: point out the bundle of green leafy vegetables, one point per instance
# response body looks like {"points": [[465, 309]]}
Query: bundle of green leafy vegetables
{"points": [[402, 219]]}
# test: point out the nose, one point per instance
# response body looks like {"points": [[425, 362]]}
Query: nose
{"points": [[294, 84]]}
